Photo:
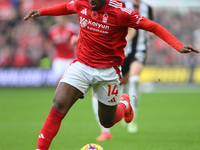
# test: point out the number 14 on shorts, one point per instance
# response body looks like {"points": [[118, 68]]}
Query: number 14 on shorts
{"points": [[112, 90]]}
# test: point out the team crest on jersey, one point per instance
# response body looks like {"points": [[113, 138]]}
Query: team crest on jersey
{"points": [[105, 17]]}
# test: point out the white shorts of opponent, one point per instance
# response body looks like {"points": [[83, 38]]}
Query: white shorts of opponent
{"points": [[104, 81]]}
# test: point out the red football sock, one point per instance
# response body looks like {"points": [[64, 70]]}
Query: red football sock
{"points": [[121, 109], [49, 129]]}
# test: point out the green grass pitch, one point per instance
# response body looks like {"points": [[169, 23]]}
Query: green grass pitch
{"points": [[167, 121]]}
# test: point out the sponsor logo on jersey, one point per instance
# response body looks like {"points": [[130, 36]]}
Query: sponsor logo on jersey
{"points": [[84, 11], [84, 22]]}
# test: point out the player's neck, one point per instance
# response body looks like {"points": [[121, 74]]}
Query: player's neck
{"points": [[136, 4], [103, 3]]}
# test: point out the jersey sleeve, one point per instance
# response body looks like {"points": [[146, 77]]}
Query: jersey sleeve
{"points": [[60, 9], [161, 32], [129, 18]]}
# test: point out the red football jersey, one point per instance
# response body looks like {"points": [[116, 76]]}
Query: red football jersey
{"points": [[60, 36], [102, 33]]}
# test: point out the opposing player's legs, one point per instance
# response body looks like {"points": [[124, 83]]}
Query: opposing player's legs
{"points": [[134, 88], [134, 82], [65, 96]]}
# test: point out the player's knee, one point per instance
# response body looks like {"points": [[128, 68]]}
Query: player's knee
{"points": [[134, 80], [57, 103], [106, 123], [107, 126]]}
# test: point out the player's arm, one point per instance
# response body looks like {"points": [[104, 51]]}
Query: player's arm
{"points": [[57, 10], [161, 32], [131, 34], [74, 40], [151, 17]]}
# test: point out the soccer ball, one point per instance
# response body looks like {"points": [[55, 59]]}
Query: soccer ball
{"points": [[92, 146]]}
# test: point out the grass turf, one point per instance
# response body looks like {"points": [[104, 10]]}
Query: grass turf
{"points": [[167, 121]]}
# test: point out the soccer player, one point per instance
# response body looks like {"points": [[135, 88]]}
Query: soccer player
{"points": [[135, 53], [60, 35], [100, 53], [135, 58]]}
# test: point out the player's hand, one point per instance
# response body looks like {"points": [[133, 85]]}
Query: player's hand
{"points": [[32, 14], [188, 49]]}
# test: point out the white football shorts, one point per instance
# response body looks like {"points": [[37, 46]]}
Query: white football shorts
{"points": [[104, 81]]}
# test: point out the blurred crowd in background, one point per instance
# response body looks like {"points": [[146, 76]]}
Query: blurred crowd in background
{"points": [[182, 24], [23, 44]]}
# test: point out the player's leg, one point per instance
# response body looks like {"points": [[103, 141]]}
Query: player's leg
{"points": [[110, 115], [110, 110], [134, 90], [134, 82], [105, 132], [124, 89], [136, 66], [71, 87], [65, 96]]}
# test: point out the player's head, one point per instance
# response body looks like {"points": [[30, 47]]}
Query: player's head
{"points": [[96, 4], [61, 20], [136, 2]]}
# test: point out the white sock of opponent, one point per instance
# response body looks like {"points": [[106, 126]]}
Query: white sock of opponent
{"points": [[134, 82]]}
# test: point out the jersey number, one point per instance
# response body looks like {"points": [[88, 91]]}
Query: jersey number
{"points": [[113, 91]]}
